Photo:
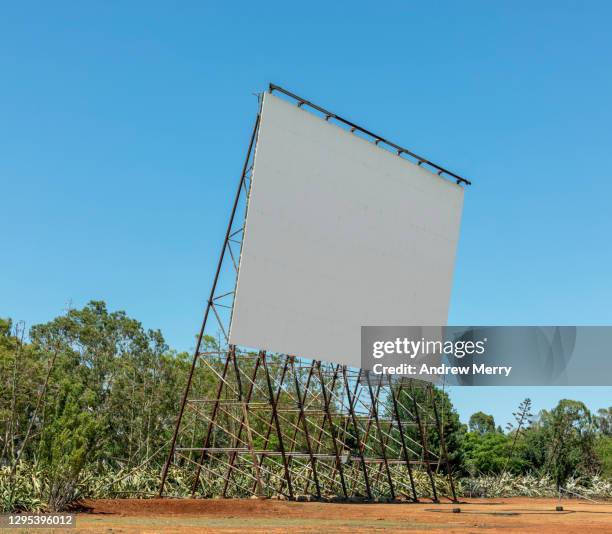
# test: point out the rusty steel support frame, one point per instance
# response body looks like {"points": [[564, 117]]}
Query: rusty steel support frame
{"points": [[351, 408], [374, 412], [196, 480], [230, 469], [279, 432], [298, 424], [398, 420], [332, 428], [423, 436], [245, 419], [209, 306], [302, 419], [273, 398], [444, 450]]}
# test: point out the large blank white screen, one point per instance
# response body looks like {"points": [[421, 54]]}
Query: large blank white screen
{"points": [[340, 233]]}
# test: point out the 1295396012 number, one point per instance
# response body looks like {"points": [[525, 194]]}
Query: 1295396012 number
{"points": [[37, 520]]}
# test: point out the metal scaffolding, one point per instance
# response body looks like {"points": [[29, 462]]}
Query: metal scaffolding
{"points": [[275, 425]]}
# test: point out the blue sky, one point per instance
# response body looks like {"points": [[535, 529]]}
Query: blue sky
{"points": [[124, 126]]}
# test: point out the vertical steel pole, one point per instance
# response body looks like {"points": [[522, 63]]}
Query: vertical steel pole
{"points": [[320, 428], [313, 462], [245, 416], [271, 421], [424, 444], [332, 430], [279, 433], [211, 424], [303, 399], [380, 434], [442, 442], [315, 449], [360, 444], [398, 418], [230, 467]]}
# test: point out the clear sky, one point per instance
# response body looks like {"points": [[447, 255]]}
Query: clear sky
{"points": [[123, 126]]}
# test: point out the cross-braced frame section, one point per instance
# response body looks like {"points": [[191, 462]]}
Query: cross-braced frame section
{"points": [[275, 425]]}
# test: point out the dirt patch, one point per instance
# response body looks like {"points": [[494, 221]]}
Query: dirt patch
{"points": [[255, 516]]}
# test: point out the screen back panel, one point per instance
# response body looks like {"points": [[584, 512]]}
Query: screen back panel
{"points": [[339, 233]]}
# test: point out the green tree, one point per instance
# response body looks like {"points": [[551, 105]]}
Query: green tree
{"points": [[91, 389], [522, 417], [567, 437], [22, 369], [487, 453], [69, 441], [603, 420], [482, 423], [603, 447]]}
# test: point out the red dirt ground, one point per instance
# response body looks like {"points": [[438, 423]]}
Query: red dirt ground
{"points": [[511, 515]]}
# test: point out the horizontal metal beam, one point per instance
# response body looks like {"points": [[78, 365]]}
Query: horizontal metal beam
{"points": [[377, 138], [296, 454]]}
